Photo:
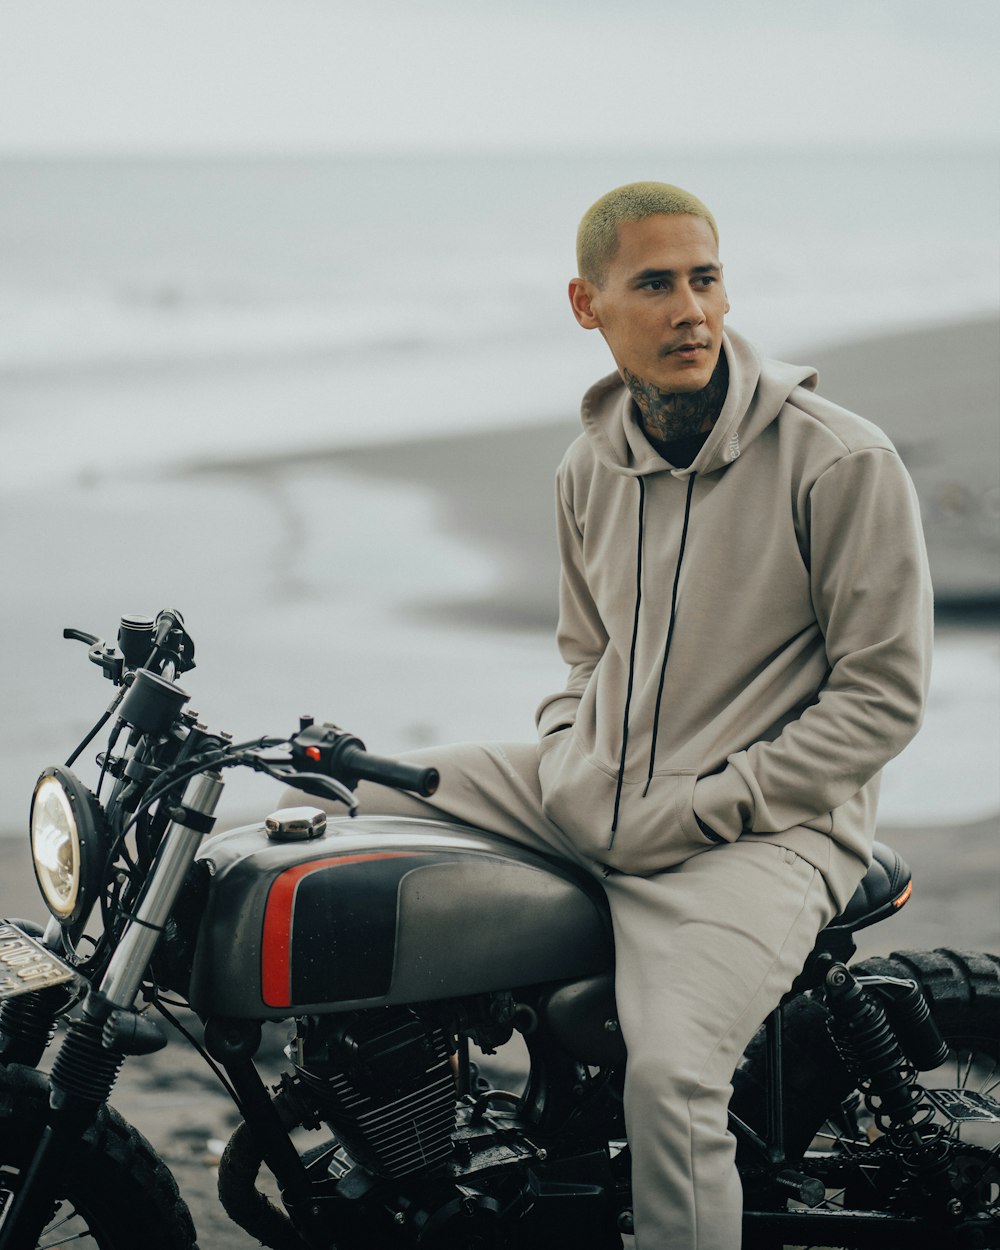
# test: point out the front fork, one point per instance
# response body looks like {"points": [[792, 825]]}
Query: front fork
{"points": [[96, 1044]]}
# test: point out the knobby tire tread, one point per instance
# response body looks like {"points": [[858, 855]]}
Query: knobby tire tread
{"points": [[124, 1181]]}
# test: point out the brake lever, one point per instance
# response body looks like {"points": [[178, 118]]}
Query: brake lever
{"points": [[316, 784], [324, 788]]}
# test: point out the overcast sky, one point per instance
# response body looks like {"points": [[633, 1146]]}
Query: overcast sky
{"points": [[134, 76]]}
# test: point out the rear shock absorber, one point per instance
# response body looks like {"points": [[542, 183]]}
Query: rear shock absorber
{"points": [[911, 1019], [870, 1048]]}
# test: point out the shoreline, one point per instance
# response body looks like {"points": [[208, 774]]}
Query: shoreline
{"points": [[495, 487]]}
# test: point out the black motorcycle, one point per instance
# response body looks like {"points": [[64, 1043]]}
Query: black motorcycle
{"points": [[865, 1111]]}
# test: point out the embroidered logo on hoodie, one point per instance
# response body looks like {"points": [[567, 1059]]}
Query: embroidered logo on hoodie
{"points": [[733, 450]]}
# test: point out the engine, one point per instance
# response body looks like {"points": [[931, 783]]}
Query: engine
{"points": [[383, 1082], [414, 1164]]}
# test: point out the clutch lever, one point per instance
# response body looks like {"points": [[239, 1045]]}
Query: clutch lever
{"points": [[108, 659]]}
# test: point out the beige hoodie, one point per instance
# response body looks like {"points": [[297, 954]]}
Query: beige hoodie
{"points": [[749, 639]]}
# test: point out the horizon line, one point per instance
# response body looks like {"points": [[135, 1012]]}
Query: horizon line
{"points": [[805, 148]]}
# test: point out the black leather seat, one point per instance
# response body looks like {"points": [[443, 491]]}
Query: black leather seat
{"points": [[884, 888]]}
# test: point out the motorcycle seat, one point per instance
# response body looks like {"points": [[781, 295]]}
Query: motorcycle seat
{"points": [[884, 888]]}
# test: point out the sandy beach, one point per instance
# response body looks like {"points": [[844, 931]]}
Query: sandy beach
{"points": [[451, 604]]}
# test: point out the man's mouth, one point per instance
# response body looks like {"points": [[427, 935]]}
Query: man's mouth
{"points": [[686, 350]]}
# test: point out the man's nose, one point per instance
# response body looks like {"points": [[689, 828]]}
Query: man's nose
{"points": [[687, 311]]}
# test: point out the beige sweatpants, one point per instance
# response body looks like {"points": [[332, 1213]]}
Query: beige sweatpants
{"points": [[703, 952]]}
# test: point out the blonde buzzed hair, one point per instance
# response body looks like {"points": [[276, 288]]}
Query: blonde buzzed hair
{"points": [[597, 237]]}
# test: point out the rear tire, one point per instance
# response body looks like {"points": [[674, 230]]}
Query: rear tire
{"points": [[118, 1194], [963, 991]]}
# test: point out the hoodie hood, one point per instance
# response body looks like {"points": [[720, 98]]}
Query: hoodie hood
{"points": [[758, 388]]}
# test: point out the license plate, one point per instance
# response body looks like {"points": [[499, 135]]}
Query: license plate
{"points": [[965, 1105], [26, 965]]}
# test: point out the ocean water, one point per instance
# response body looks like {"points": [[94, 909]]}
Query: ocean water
{"points": [[265, 304], [158, 314]]}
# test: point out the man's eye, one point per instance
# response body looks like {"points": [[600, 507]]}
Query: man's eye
{"points": [[656, 284]]}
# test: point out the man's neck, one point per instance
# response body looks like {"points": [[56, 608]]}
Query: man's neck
{"points": [[668, 416]]}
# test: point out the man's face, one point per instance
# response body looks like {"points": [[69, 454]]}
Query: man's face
{"points": [[662, 303]]}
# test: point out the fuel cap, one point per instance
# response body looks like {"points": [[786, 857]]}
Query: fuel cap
{"points": [[295, 824]]}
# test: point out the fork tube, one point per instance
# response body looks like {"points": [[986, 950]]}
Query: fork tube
{"points": [[85, 1071], [775, 1093], [166, 879]]}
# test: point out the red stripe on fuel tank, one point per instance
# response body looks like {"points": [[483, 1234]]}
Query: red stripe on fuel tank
{"points": [[276, 954]]}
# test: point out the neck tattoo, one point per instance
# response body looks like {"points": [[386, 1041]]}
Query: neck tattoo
{"points": [[670, 416]]}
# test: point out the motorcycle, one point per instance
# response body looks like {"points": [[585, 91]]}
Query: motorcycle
{"points": [[865, 1110]]}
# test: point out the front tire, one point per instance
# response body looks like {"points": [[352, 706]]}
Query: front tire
{"points": [[118, 1194], [828, 1132]]}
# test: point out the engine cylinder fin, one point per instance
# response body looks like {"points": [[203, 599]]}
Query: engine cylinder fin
{"points": [[383, 1083]]}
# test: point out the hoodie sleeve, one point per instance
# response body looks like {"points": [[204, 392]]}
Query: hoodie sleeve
{"points": [[872, 596], [581, 635]]}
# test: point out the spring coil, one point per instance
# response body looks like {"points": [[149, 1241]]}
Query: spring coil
{"points": [[926, 1157], [866, 1042], [83, 1068]]}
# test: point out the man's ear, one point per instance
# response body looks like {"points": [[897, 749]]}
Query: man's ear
{"points": [[581, 297]]}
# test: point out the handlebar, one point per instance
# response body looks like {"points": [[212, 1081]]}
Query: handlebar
{"points": [[153, 652], [331, 750], [142, 643]]}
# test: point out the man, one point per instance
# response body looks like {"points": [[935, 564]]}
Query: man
{"points": [[745, 611]]}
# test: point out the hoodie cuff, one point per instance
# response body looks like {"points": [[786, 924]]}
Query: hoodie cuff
{"points": [[724, 803], [557, 713]]}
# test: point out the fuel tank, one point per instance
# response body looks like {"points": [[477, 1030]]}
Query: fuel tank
{"points": [[383, 910]]}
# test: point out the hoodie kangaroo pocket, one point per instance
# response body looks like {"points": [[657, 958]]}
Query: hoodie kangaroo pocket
{"points": [[657, 827], [653, 832]]}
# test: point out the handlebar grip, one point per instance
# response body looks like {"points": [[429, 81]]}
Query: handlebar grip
{"points": [[332, 750], [365, 766]]}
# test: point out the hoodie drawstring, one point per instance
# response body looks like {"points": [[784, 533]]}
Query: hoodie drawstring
{"points": [[631, 662], [635, 637], [670, 632]]}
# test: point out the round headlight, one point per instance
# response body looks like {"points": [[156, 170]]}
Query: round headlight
{"points": [[66, 843]]}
